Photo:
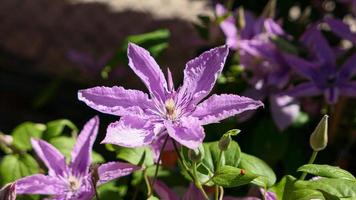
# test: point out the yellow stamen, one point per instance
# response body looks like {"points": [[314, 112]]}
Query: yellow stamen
{"points": [[170, 108]]}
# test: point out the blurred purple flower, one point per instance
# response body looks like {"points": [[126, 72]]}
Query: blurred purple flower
{"points": [[341, 29], [73, 181], [322, 71], [176, 113], [8, 192], [259, 55]]}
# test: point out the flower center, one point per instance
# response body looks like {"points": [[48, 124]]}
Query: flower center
{"points": [[170, 109], [331, 80], [74, 183]]}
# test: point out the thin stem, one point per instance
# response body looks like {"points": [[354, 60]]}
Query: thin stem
{"points": [[216, 192], [95, 189], [148, 183], [219, 159], [159, 159], [197, 182], [311, 161], [221, 193]]}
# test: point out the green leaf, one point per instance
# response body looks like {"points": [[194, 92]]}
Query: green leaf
{"points": [[266, 178], [152, 198], [137, 156], [327, 171], [23, 133], [336, 187], [13, 167], [228, 176], [108, 191], [56, 127], [306, 194], [208, 165]]}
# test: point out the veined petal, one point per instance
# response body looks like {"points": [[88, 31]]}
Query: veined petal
{"points": [[40, 184], [284, 110], [348, 69], [116, 100], [142, 63], [303, 67], [164, 192], [81, 153], [219, 107], [114, 170], [201, 73], [130, 131], [341, 29], [187, 131], [51, 157], [303, 89]]}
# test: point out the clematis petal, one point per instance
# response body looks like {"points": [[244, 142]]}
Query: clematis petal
{"points": [[272, 27], [348, 69], [193, 193], [341, 29], [348, 89], [304, 89], [148, 70], [40, 184], [187, 131], [116, 100], [250, 23], [301, 66], [284, 110], [130, 131], [164, 192], [51, 157], [219, 107], [228, 26], [201, 73], [113, 170], [81, 153], [313, 39]]}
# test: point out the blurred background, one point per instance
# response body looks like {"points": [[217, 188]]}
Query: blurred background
{"points": [[51, 49]]}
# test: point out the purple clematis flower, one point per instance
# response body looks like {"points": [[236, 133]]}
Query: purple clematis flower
{"points": [[260, 55], [73, 181], [177, 113], [322, 71]]}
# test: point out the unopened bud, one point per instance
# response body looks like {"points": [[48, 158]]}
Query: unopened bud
{"points": [[195, 155], [224, 142], [8, 192], [319, 138]]}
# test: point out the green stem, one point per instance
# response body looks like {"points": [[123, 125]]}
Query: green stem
{"points": [[193, 175], [197, 183], [311, 161], [219, 159], [216, 192], [148, 183]]}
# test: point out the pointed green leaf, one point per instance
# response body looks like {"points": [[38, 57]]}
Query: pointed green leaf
{"points": [[228, 176]]}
